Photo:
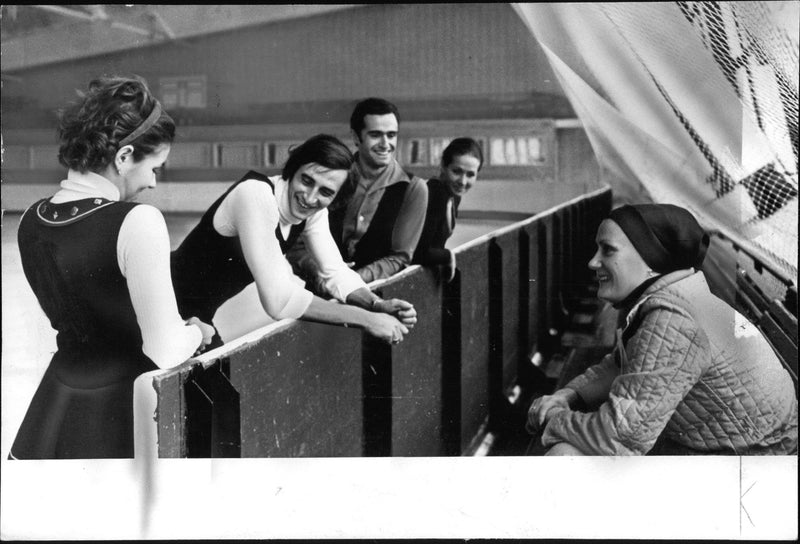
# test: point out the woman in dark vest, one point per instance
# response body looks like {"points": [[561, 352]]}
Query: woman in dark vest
{"points": [[244, 236], [461, 161], [99, 267]]}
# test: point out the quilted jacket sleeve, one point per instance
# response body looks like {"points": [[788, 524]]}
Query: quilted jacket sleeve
{"points": [[662, 361], [594, 384]]}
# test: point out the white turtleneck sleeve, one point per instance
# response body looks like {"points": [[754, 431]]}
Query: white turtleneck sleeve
{"points": [[250, 211], [336, 277], [143, 255]]}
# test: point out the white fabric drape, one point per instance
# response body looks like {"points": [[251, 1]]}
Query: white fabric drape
{"points": [[653, 88]]}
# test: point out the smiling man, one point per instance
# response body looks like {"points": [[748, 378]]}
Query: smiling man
{"points": [[379, 227], [244, 235]]}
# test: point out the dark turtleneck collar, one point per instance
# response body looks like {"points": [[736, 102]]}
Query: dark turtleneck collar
{"points": [[628, 302]]}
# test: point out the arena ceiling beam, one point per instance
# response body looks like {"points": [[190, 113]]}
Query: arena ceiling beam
{"points": [[35, 35]]}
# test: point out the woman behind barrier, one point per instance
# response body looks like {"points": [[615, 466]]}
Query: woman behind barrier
{"points": [[689, 375], [458, 171], [245, 234], [99, 267]]}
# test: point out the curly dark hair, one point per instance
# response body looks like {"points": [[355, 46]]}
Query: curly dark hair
{"points": [[113, 107]]}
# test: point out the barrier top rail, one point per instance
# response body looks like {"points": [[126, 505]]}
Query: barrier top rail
{"points": [[550, 211], [758, 255], [209, 358]]}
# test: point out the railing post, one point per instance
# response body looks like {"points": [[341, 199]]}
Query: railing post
{"points": [[548, 257], [451, 365], [171, 414], [475, 337], [213, 428], [495, 363], [524, 336], [416, 390], [377, 380]]}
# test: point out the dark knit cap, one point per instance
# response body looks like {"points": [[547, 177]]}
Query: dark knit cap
{"points": [[667, 237]]}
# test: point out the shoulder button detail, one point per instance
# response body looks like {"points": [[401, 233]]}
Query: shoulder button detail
{"points": [[66, 213]]}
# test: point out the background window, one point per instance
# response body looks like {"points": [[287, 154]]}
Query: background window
{"points": [[519, 150], [183, 92], [437, 147], [417, 152], [237, 154], [277, 153], [270, 155], [535, 150], [190, 155], [482, 143]]}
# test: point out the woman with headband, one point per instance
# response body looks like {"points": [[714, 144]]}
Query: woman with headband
{"points": [[689, 375], [99, 267]]}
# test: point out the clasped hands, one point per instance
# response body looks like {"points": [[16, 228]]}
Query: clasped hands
{"points": [[545, 407], [401, 316], [402, 310]]}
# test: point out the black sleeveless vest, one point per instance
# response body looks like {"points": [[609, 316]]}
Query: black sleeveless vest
{"points": [[377, 241], [436, 229], [69, 257], [83, 407], [208, 268]]}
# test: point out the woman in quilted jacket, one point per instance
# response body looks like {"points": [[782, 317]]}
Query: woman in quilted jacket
{"points": [[689, 374]]}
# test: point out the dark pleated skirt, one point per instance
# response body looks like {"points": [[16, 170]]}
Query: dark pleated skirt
{"points": [[80, 415]]}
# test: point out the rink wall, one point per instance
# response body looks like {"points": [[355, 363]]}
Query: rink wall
{"points": [[301, 389]]}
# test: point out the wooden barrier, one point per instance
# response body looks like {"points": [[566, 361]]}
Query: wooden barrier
{"points": [[504, 250], [416, 370], [536, 291], [550, 255], [311, 375], [475, 336], [300, 389], [761, 293]]}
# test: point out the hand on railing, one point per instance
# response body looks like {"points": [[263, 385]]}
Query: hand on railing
{"points": [[451, 268], [386, 327], [402, 310], [544, 407], [208, 333]]}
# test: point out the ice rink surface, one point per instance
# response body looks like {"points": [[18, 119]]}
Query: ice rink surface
{"points": [[29, 341]]}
